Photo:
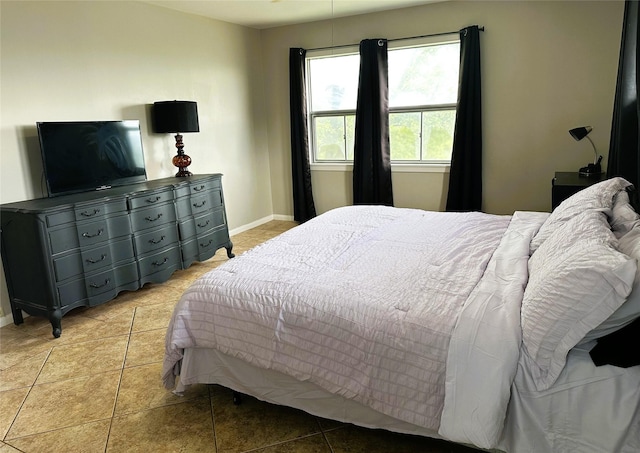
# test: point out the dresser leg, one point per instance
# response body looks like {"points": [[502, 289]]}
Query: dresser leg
{"points": [[229, 246], [17, 315], [55, 317]]}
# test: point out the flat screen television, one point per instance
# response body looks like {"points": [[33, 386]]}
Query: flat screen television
{"points": [[90, 155]]}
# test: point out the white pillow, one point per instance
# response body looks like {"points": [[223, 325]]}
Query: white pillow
{"points": [[598, 197], [623, 216], [577, 279], [629, 311]]}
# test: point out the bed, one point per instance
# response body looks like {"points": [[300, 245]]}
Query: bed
{"points": [[470, 327]]}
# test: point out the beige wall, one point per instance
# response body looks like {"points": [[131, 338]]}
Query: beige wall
{"points": [[546, 66], [66, 61]]}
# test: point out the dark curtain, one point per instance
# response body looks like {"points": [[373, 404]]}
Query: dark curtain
{"points": [[624, 160], [303, 206], [371, 156], [465, 177], [624, 149]]}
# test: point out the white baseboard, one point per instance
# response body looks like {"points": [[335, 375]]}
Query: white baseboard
{"points": [[8, 318], [259, 222]]}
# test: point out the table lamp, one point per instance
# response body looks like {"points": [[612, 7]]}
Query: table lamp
{"points": [[176, 117]]}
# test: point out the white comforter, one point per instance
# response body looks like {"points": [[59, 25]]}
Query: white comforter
{"points": [[412, 313]]}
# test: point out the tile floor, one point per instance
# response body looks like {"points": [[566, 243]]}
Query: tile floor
{"points": [[97, 388]]}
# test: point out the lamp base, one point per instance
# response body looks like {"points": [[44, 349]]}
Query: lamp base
{"points": [[181, 160], [591, 170]]}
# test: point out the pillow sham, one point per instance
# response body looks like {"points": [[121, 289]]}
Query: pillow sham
{"points": [[598, 197], [630, 310], [577, 279]]}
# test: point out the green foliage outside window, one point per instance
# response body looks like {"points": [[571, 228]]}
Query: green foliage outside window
{"points": [[423, 85]]}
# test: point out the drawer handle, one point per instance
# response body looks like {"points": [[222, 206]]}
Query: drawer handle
{"points": [[106, 282], [196, 205], [102, 258], [87, 235], [160, 263], [156, 241], [200, 225], [149, 219], [90, 214], [198, 189], [153, 200], [207, 244]]}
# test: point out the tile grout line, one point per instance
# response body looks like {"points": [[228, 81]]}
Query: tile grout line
{"points": [[283, 442], [27, 395], [320, 432], [124, 360], [213, 419], [326, 439]]}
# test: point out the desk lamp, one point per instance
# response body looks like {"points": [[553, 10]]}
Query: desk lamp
{"points": [[591, 169], [177, 117]]}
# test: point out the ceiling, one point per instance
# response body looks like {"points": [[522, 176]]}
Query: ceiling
{"points": [[274, 13]]}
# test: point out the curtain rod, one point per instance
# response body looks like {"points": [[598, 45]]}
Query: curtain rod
{"points": [[396, 39]]}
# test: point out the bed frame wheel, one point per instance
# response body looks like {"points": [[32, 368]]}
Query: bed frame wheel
{"points": [[237, 398]]}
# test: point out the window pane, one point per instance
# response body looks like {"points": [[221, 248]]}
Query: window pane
{"points": [[421, 76], [334, 82], [404, 136], [329, 135], [437, 134], [351, 135]]}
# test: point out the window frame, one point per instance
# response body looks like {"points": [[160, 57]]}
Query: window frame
{"points": [[423, 165]]}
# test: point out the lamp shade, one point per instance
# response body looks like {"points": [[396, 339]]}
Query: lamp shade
{"points": [[580, 132], [175, 117]]}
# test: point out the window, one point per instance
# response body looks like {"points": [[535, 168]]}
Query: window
{"points": [[423, 87]]}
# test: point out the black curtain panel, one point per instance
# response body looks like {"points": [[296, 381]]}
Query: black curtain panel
{"points": [[371, 157], [624, 148], [465, 177], [303, 205]]}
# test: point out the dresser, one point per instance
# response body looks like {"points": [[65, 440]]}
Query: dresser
{"points": [[83, 249]]}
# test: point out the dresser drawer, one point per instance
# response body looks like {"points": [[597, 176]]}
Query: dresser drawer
{"points": [[160, 261], [204, 202], [89, 211], [91, 260], [150, 198], [156, 239], [60, 218], [199, 187], [201, 203], [204, 247], [198, 204], [201, 224], [207, 222], [153, 216], [90, 233], [99, 287], [87, 234]]}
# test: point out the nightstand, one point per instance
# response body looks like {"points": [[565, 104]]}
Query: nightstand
{"points": [[566, 184]]}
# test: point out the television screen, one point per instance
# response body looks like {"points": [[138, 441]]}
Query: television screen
{"points": [[90, 155]]}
